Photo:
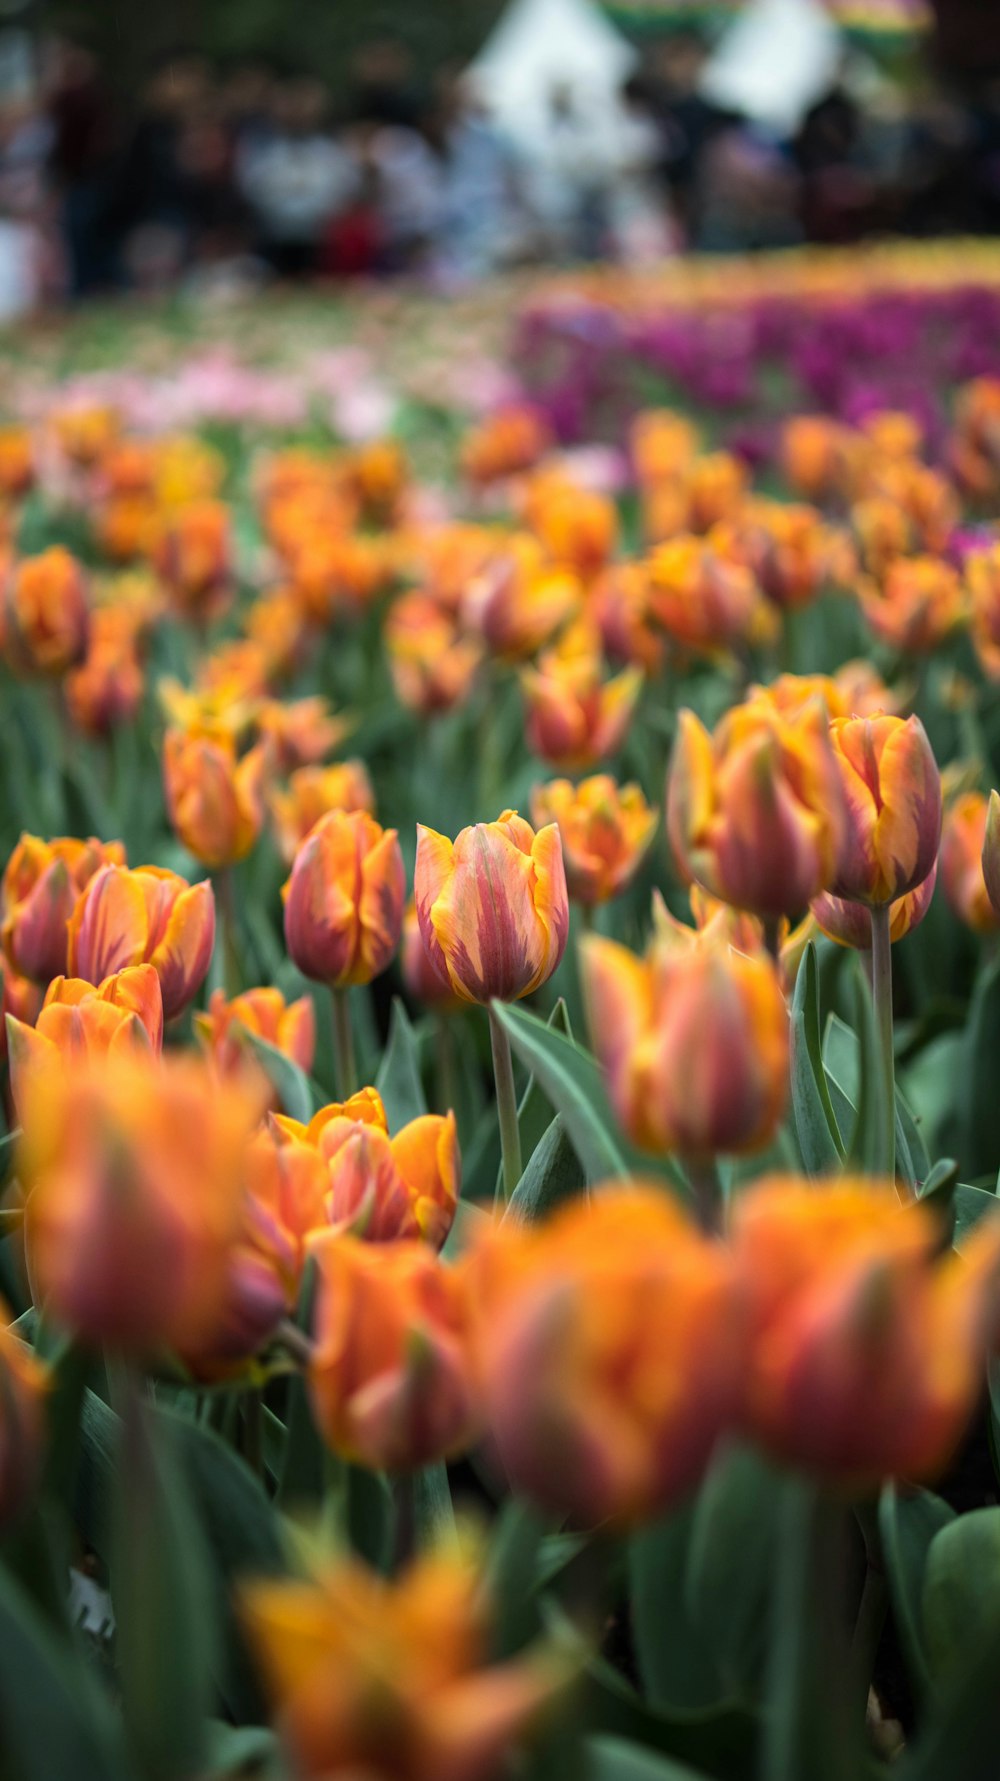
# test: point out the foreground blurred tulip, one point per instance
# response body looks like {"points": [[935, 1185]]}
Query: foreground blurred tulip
{"points": [[78, 1022], [391, 1378], [575, 717], [610, 1343], [893, 792], [344, 900], [215, 801], [289, 1026], [850, 924], [23, 1385], [313, 792], [693, 1040], [41, 882], [963, 837], [145, 916], [44, 618], [390, 1681], [605, 832], [756, 812], [867, 1346], [133, 1168], [378, 1187], [991, 852]]}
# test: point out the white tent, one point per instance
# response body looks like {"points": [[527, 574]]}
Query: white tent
{"points": [[541, 48], [774, 60]]}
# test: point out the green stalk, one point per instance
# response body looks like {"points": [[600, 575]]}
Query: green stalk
{"points": [[232, 968], [706, 1182], [510, 1136], [345, 1069], [882, 993]]}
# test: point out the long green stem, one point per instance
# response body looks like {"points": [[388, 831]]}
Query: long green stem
{"points": [[345, 1069], [232, 969], [510, 1136], [703, 1174], [882, 993]]}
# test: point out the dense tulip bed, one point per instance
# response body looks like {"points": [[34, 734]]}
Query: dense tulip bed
{"points": [[500, 1247]]}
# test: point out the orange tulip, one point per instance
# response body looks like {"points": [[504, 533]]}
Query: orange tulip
{"points": [[575, 717], [193, 556], [621, 604], [917, 605], [610, 1342], [867, 1344], [447, 558], [756, 813], [332, 1647], [215, 801], [77, 1021], [662, 445], [145, 916], [391, 1380], [301, 732], [518, 600], [419, 972], [107, 687], [492, 906], [134, 1172], [963, 837], [855, 690], [289, 1026], [793, 554], [23, 1384], [892, 790], [278, 626], [378, 1187], [40, 885], [577, 526], [20, 1000], [313, 792], [17, 462], [850, 924], [714, 487], [344, 900], [508, 442], [703, 597], [378, 473], [433, 665], [982, 573], [45, 618], [693, 1041], [991, 851], [605, 832], [815, 454]]}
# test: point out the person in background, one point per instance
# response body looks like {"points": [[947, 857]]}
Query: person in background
{"points": [[84, 145], [296, 179]]}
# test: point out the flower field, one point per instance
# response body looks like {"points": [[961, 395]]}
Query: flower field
{"points": [[501, 883]]}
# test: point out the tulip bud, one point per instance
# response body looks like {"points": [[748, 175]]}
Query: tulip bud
{"points": [[313, 792], [134, 1168], [850, 924], [433, 665], [45, 617], [918, 603], [610, 1343], [193, 556], [991, 852], [344, 900], [146, 916], [575, 717], [693, 1040], [605, 832], [40, 885], [492, 906], [302, 732], [703, 598], [963, 837], [893, 793], [23, 1383], [756, 813], [866, 1342], [214, 801], [78, 1022], [107, 688], [391, 1381], [518, 601], [290, 1027]]}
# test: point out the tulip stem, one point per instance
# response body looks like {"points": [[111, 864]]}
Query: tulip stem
{"points": [[510, 1135], [232, 972], [345, 1069], [882, 994], [706, 1183], [297, 1343]]}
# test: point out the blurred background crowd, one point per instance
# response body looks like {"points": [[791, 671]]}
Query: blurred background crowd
{"points": [[554, 134]]}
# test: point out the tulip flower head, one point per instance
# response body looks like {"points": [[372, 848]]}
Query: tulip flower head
{"points": [[850, 923], [79, 1022], [312, 792], [41, 882], [575, 717], [289, 1026], [916, 605], [45, 618], [215, 800], [892, 789], [492, 906], [963, 838], [605, 831], [344, 900], [146, 916]]}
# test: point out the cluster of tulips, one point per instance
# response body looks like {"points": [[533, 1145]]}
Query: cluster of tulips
{"points": [[312, 1236]]}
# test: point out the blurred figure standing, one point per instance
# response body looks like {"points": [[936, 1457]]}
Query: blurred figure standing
{"points": [[82, 166], [296, 178]]}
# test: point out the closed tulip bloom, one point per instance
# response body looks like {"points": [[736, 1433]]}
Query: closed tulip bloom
{"points": [[391, 1680], [493, 906], [20, 999], [23, 1386], [344, 900], [575, 717], [45, 619], [146, 916], [855, 690], [963, 836], [714, 486], [518, 600], [867, 1345], [17, 462], [313, 792], [107, 687], [378, 1187], [982, 573], [134, 1170], [850, 924], [193, 555], [693, 1041], [793, 553], [610, 1345], [289, 1026], [391, 1380], [301, 732], [506, 443], [991, 851], [892, 789], [605, 831], [41, 882], [621, 604], [918, 603], [703, 598], [662, 445], [80, 1022], [433, 665], [578, 526], [215, 801], [756, 812], [815, 452]]}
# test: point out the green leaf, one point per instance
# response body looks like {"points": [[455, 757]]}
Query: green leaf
{"points": [[242, 1752], [731, 1563], [869, 1140], [908, 1523], [723, 1742], [398, 1080], [433, 1510], [841, 1058], [978, 1144], [290, 1083], [679, 1669], [370, 1515], [961, 1593], [553, 1174], [54, 1722], [614, 1759], [511, 1570], [815, 1123], [971, 1205], [164, 1617]]}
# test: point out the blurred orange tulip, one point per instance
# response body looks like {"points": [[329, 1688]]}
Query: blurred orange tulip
{"points": [[145, 916], [301, 732], [892, 790], [703, 597], [23, 1386], [850, 923], [508, 442], [17, 462], [193, 556], [289, 1026], [107, 687], [420, 975], [575, 717], [433, 665], [344, 900], [41, 882], [518, 600], [963, 837], [918, 603], [215, 800], [45, 619], [313, 792], [79, 1021], [605, 831]]}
